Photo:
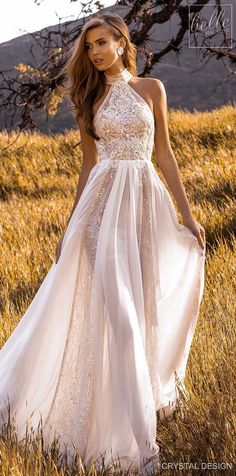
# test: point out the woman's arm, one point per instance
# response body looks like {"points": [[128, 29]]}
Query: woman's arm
{"points": [[90, 158], [167, 162]]}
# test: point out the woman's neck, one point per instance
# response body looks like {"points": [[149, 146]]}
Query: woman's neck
{"points": [[111, 78]]}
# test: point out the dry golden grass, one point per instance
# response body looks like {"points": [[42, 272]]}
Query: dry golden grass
{"points": [[38, 181]]}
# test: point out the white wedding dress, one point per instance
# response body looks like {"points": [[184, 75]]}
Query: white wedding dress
{"points": [[97, 352]]}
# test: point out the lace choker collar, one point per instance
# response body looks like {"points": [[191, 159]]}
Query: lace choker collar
{"points": [[124, 75]]}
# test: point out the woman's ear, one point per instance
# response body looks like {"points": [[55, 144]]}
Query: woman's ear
{"points": [[123, 42]]}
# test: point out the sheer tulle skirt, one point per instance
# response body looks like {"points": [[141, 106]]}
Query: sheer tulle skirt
{"points": [[95, 354]]}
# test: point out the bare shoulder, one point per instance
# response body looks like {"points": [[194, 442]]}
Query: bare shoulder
{"points": [[149, 82], [153, 86]]}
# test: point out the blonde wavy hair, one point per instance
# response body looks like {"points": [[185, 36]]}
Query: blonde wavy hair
{"points": [[82, 82]]}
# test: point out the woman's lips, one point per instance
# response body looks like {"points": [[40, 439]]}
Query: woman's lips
{"points": [[98, 61]]}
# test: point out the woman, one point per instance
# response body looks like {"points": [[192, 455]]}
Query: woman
{"points": [[111, 326]]}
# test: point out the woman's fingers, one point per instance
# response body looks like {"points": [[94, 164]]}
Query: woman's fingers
{"points": [[201, 236], [58, 249]]}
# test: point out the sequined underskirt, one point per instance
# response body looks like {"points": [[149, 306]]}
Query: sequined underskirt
{"points": [[112, 323]]}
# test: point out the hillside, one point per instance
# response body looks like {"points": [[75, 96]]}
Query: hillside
{"points": [[189, 84], [37, 188]]}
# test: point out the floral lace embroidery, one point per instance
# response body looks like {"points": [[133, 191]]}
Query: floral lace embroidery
{"points": [[126, 133]]}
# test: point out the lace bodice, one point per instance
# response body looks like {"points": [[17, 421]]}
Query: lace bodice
{"points": [[124, 123]]}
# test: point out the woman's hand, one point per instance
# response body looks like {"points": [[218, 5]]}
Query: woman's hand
{"points": [[196, 228], [58, 249]]}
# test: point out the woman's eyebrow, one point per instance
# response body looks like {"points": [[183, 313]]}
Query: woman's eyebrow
{"points": [[96, 40]]}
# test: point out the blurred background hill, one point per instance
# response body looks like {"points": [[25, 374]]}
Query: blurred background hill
{"points": [[190, 84]]}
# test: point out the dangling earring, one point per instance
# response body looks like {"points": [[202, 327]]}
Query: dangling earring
{"points": [[120, 50]]}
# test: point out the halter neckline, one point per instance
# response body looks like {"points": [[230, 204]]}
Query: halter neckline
{"points": [[124, 75]]}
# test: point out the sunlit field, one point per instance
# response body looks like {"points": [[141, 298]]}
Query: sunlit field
{"points": [[38, 177]]}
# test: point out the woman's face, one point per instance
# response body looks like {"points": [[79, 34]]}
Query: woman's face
{"points": [[100, 45]]}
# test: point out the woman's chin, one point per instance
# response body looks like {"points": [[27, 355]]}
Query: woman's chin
{"points": [[100, 67]]}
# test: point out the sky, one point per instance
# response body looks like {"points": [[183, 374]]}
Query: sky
{"points": [[18, 17]]}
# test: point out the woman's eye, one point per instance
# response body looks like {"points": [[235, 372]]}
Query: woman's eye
{"points": [[100, 43]]}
